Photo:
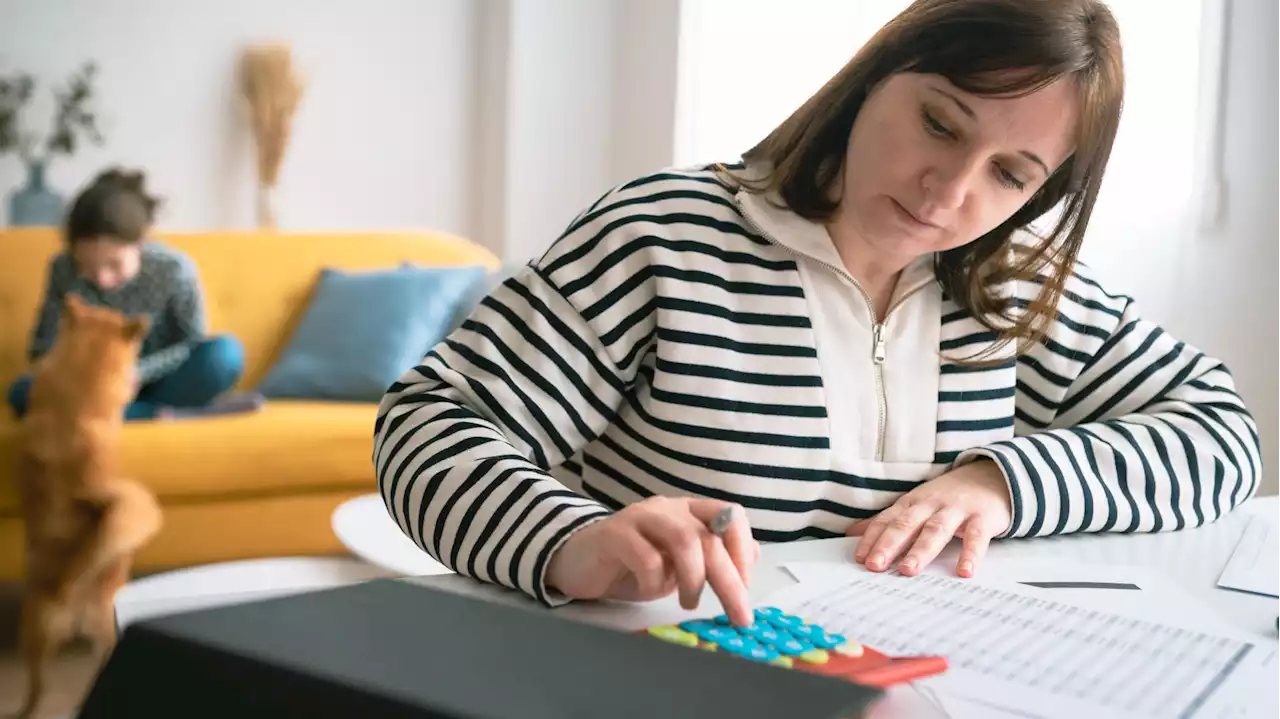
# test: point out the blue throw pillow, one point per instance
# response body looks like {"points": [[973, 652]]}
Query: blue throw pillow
{"points": [[482, 289], [363, 330]]}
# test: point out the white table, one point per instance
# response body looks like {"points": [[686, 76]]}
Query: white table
{"points": [[225, 583], [381, 551], [1191, 560], [366, 529]]}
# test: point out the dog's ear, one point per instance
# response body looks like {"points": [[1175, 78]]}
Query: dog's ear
{"points": [[72, 308], [136, 328]]}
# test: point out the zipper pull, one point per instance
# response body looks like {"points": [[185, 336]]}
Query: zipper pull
{"points": [[877, 350]]}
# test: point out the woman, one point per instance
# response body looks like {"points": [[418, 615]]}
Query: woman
{"points": [[851, 332], [109, 262]]}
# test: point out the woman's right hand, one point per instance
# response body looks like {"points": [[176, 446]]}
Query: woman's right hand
{"points": [[658, 545]]}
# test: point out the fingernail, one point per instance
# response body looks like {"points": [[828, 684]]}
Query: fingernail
{"points": [[876, 561], [966, 568], [909, 564]]}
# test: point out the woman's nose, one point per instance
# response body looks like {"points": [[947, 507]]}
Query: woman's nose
{"points": [[947, 186]]}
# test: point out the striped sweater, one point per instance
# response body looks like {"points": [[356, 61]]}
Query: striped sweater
{"points": [[681, 338]]}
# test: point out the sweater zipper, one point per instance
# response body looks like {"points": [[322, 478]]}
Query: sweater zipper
{"points": [[878, 344]]}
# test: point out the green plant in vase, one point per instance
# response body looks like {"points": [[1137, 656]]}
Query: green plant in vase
{"points": [[35, 203]]}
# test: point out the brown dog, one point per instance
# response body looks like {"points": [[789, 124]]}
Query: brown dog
{"points": [[83, 521]]}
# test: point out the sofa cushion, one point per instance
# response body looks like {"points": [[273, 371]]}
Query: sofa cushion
{"points": [[362, 330], [482, 289], [288, 447]]}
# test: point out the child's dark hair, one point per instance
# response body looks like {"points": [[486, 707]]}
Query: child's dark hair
{"points": [[115, 205]]}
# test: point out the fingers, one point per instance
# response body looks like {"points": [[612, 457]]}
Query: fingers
{"points": [[699, 557], [976, 540], [726, 582], [888, 534], [871, 531], [644, 562], [681, 541], [934, 535], [858, 528]]}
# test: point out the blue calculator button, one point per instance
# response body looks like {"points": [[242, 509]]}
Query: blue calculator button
{"points": [[828, 641], [792, 647], [760, 654], [719, 635], [766, 634], [773, 637], [787, 622], [693, 625], [768, 612], [808, 632]]}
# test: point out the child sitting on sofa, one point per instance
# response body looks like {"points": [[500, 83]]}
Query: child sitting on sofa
{"points": [[109, 261]]}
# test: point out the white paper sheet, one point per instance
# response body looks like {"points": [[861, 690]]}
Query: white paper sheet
{"points": [[1255, 564], [1015, 652], [1133, 591]]}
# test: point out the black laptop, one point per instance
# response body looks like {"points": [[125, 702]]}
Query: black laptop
{"points": [[392, 649]]}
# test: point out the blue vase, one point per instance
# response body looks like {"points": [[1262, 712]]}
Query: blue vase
{"points": [[34, 204]]}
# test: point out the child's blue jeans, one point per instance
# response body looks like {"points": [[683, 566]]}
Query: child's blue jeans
{"points": [[213, 367]]}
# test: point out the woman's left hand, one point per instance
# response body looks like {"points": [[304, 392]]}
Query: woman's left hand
{"points": [[971, 502]]}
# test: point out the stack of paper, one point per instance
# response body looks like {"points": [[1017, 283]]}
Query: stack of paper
{"points": [[1015, 652]]}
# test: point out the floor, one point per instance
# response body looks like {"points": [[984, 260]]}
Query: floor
{"points": [[69, 677]]}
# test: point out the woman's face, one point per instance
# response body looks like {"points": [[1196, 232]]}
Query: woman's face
{"points": [[930, 167], [106, 262]]}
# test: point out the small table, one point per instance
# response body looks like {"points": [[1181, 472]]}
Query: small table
{"points": [[225, 583], [366, 529]]}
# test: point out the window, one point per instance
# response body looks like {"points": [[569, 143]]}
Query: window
{"points": [[744, 67]]}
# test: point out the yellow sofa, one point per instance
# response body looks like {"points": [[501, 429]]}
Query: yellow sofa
{"points": [[234, 487]]}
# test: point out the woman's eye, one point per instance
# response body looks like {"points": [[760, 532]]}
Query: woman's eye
{"points": [[932, 125], [1008, 179]]}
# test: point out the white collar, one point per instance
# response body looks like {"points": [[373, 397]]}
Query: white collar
{"points": [[810, 239]]}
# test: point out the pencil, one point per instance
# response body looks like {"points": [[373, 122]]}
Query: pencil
{"points": [[720, 523]]}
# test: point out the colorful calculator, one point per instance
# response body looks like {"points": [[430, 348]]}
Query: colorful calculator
{"points": [[787, 641]]}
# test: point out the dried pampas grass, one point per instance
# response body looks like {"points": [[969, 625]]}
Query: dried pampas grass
{"points": [[272, 89]]}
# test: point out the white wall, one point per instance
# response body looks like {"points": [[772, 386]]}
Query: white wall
{"points": [[560, 117], [382, 138], [576, 96], [496, 119]]}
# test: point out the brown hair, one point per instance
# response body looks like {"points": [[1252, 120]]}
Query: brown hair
{"points": [[116, 205], [974, 44]]}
